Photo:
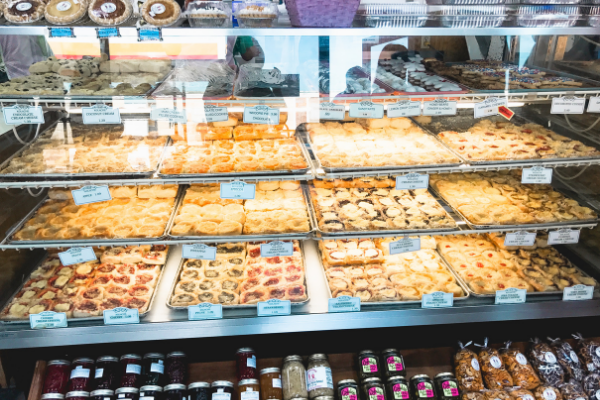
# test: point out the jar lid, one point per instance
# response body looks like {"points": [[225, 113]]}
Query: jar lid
{"points": [[102, 392], [366, 352], [221, 383], [59, 362], [131, 357], [396, 378], [292, 358], [151, 388], [245, 382], [245, 350], [318, 356], [369, 380], [78, 393], [269, 370], [390, 351], [107, 358], [195, 385], [323, 398], [444, 374], [83, 360], [420, 376], [48, 396], [345, 381], [154, 355], [127, 390], [176, 354], [175, 386]]}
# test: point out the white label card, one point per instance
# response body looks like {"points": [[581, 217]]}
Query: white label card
{"points": [[412, 181], [405, 245], [437, 300], [537, 175], [511, 296], [344, 304], [168, 114], [238, 190], [594, 105], [215, 114], [366, 109], [578, 292], [277, 249], [564, 236], [48, 320], [404, 108], [199, 251], [100, 114], [332, 111], [521, 238], [91, 194], [489, 107], [261, 115], [439, 107], [567, 105], [203, 311], [76, 255], [23, 114], [274, 307], [121, 315]]}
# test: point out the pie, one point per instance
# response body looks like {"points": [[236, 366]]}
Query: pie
{"points": [[110, 12], [161, 12], [64, 12], [24, 11]]}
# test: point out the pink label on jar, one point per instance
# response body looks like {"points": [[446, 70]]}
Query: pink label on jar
{"points": [[373, 368], [454, 392], [400, 391], [394, 364]]}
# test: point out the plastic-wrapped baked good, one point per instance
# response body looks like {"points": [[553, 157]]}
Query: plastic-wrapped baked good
{"points": [[110, 12], [520, 394], [572, 390], [568, 359], [161, 12], [496, 394], [545, 392], [516, 363], [591, 386], [467, 369], [545, 363], [24, 11], [589, 351], [472, 396], [494, 373], [64, 12]]}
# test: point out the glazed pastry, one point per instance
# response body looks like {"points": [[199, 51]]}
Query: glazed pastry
{"points": [[64, 12], [109, 12], [160, 12]]}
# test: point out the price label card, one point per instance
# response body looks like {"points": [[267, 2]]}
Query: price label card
{"points": [[511, 296], [564, 236], [121, 316], [404, 108], [437, 300], [274, 307], [104, 33], [578, 292], [238, 190], [168, 114], [366, 109], [521, 238], [203, 311], [536, 175], [48, 320], [199, 251], [567, 105], [149, 34], [215, 114], [439, 107], [412, 181], [506, 112], [489, 107], [261, 115], [332, 111], [405, 245], [76, 255], [91, 194], [23, 114], [344, 304], [594, 105], [277, 249], [61, 33], [100, 114]]}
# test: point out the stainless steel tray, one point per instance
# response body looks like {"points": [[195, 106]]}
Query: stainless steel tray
{"points": [[390, 303], [237, 306], [98, 318]]}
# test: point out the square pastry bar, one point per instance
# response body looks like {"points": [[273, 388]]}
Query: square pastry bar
{"points": [[363, 205], [486, 265], [120, 277], [499, 199], [279, 207], [141, 212], [364, 268], [239, 276]]}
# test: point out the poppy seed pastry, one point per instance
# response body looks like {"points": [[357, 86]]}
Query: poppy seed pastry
{"points": [[64, 12], [161, 12], [24, 11], [110, 12]]}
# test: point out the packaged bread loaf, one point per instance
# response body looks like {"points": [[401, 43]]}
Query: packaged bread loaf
{"points": [[572, 390], [591, 385], [521, 371], [494, 373], [545, 363], [545, 392], [520, 394], [467, 370], [568, 359], [589, 352], [496, 394]]}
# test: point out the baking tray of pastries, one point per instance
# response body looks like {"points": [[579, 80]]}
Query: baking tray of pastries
{"points": [[486, 265], [239, 278], [373, 206], [140, 213], [364, 268], [498, 200], [120, 277], [278, 210]]}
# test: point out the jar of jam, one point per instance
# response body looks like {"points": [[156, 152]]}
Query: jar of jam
{"points": [[105, 376], [248, 389], [293, 378], [347, 389], [176, 367], [372, 389], [270, 384], [176, 391], [53, 396], [77, 395], [397, 388], [392, 363], [57, 376], [151, 392], [421, 387], [81, 373], [319, 380], [127, 393], [368, 365], [246, 364], [199, 391], [446, 386], [153, 369], [102, 394], [221, 390], [131, 371]]}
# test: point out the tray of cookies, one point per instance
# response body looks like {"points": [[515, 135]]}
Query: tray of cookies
{"points": [[143, 213], [498, 200], [364, 268], [278, 210], [373, 205], [120, 277], [239, 278], [486, 265]]}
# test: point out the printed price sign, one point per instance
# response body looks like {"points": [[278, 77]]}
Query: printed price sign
{"points": [[100, 114], [506, 112], [48, 320], [536, 175], [104, 33], [274, 307], [437, 300], [215, 114], [439, 107], [412, 181], [61, 32], [344, 304], [149, 34], [261, 115], [238, 190], [578, 292], [277, 249], [23, 114], [521, 238], [366, 109], [168, 114], [567, 105], [199, 251], [405, 245], [121, 316], [203, 311], [594, 105], [332, 111], [404, 108], [76, 255], [91, 194], [511, 296], [564, 236], [489, 107]]}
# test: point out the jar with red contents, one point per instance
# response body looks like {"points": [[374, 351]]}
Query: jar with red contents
{"points": [[176, 367], [57, 376], [77, 395], [81, 375], [130, 393], [246, 363], [106, 374], [131, 370]]}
